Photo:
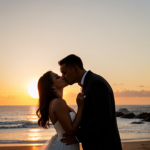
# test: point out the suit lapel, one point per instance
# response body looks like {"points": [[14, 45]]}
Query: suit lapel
{"points": [[87, 77]]}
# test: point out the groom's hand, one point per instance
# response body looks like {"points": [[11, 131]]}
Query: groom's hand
{"points": [[69, 139]]}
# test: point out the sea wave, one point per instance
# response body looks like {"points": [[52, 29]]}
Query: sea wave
{"points": [[20, 141], [18, 124], [11, 122]]}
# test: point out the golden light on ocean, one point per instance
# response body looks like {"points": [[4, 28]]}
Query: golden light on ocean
{"points": [[34, 134]]}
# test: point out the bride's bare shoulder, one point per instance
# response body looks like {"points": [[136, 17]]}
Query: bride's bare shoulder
{"points": [[60, 104]]}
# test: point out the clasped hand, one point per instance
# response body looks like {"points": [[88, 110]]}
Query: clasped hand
{"points": [[69, 139]]}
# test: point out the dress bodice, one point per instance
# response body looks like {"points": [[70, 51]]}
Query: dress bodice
{"points": [[60, 131]]}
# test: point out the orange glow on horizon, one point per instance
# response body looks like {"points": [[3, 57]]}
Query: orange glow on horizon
{"points": [[22, 97], [70, 94]]}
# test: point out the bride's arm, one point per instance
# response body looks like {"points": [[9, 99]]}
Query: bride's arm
{"points": [[62, 113]]}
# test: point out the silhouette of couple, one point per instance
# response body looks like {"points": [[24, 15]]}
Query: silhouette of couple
{"points": [[94, 124]]}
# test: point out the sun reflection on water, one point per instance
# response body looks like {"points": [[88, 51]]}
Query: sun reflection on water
{"points": [[33, 118], [34, 134]]}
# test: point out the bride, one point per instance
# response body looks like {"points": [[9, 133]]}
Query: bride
{"points": [[53, 108]]}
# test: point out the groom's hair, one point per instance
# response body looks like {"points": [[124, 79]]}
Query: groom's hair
{"points": [[72, 60]]}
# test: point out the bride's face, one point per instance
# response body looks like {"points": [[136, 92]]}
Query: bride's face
{"points": [[59, 82]]}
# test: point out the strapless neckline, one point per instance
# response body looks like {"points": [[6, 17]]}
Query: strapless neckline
{"points": [[58, 120], [59, 129], [55, 142]]}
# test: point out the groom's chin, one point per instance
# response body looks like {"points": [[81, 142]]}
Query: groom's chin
{"points": [[66, 84], [70, 83]]}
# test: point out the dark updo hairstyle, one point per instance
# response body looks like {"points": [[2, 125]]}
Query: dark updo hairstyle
{"points": [[46, 94]]}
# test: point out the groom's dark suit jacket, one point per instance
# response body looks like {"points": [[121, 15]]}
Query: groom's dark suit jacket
{"points": [[98, 130]]}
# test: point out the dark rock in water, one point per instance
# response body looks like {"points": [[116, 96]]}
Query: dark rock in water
{"points": [[123, 110], [137, 122], [147, 119], [119, 114], [143, 115], [129, 115]]}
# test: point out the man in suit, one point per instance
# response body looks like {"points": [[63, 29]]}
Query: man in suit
{"points": [[98, 129]]}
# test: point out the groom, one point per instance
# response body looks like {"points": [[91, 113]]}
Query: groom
{"points": [[98, 129]]}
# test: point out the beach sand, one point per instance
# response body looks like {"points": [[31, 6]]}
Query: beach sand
{"points": [[137, 145]]}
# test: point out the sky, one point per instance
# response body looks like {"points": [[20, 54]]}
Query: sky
{"points": [[111, 37]]}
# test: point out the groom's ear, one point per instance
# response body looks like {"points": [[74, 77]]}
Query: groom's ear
{"points": [[76, 68]]}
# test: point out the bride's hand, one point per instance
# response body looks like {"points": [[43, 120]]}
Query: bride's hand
{"points": [[80, 100]]}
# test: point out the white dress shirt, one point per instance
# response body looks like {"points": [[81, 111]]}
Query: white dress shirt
{"points": [[82, 82]]}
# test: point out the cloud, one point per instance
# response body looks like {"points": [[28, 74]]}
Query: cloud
{"points": [[118, 84], [124, 93], [141, 86], [132, 93]]}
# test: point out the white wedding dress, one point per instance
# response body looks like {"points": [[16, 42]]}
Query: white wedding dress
{"points": [[54, 143]]}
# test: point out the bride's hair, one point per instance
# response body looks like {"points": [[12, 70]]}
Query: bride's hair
{"points": [[46, 94]]}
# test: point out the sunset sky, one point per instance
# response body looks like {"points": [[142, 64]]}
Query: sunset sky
{"points": [[111, 37]]}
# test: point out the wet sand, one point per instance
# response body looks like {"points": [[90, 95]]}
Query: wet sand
{"points": [[137, 145]]}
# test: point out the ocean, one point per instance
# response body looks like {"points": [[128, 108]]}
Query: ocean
{"points": [[18, 124]]}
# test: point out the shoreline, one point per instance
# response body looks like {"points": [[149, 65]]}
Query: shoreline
{"points": [[126, 145], [40, 144], [136, 140]]}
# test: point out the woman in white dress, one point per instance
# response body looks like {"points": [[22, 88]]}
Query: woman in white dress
{"points": [[53, 108]]}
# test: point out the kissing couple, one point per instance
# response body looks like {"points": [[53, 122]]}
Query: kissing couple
{"points": [[94, 124]]}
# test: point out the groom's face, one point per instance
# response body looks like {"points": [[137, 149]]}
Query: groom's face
{"points": [[68, 73]]}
